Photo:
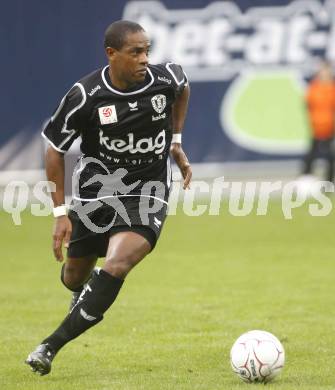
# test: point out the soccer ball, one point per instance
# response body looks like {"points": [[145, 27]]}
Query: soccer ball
{"points": [[257, 356]]}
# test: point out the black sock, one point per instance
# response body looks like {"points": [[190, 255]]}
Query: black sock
{"points": [[98, 296]]}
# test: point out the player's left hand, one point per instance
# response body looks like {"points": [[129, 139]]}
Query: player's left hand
{"points": [[181, 160], [61, 234]]}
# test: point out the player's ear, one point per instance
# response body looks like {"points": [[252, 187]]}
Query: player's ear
{"points": [[110, 52]]}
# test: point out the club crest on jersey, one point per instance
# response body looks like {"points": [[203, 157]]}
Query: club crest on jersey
{"points": [[107, 115], [158, 103]]}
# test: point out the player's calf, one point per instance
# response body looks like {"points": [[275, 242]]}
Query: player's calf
{"points": [[76, 293], [77, 271]]}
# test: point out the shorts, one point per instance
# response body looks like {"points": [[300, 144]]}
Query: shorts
{"points": [[94, 222]]}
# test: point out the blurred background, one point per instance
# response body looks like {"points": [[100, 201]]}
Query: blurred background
{"points": [[248, 63]]}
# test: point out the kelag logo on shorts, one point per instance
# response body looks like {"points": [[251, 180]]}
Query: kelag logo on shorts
{"points": [[270, 48]]}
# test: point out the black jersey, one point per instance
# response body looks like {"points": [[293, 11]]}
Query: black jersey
{"points": [[130, 129]]}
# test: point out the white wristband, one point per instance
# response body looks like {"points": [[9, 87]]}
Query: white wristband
{"points": [[176, 138], [59, 211]]}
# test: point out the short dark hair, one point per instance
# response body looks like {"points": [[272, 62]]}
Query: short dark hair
{"points": [[115, 34]]}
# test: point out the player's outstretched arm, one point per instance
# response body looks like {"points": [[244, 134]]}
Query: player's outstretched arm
{"points": [[179, 111], [54, 165]]}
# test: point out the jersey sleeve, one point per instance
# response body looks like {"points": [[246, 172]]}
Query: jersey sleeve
{"points": [[179, 77], [65, 124]]}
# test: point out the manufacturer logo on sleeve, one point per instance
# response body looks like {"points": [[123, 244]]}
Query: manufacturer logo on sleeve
{"points": [[94, 90], [107, 115], [164, 79]]}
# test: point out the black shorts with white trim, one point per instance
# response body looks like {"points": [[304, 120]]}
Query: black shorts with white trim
{"points": [[94, 222]]}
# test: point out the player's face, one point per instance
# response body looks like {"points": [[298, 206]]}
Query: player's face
{"points": [[130, 63]]}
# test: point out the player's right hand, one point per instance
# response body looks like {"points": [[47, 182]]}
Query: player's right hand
{"points": [[62, 233]]}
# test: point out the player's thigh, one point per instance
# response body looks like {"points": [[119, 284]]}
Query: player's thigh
{"points": [[125, 250], [78, 269]]}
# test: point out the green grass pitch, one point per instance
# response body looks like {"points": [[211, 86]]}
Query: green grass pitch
{"points": [[209, 280]]}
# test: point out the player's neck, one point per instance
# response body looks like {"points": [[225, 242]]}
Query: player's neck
{"points": [[119, 84]]}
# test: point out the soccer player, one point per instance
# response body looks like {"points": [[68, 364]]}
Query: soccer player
{"points": [[130, 115]]}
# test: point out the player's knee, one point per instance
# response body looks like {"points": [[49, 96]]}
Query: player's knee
{"points": [[72, 278], [120, 265]]}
